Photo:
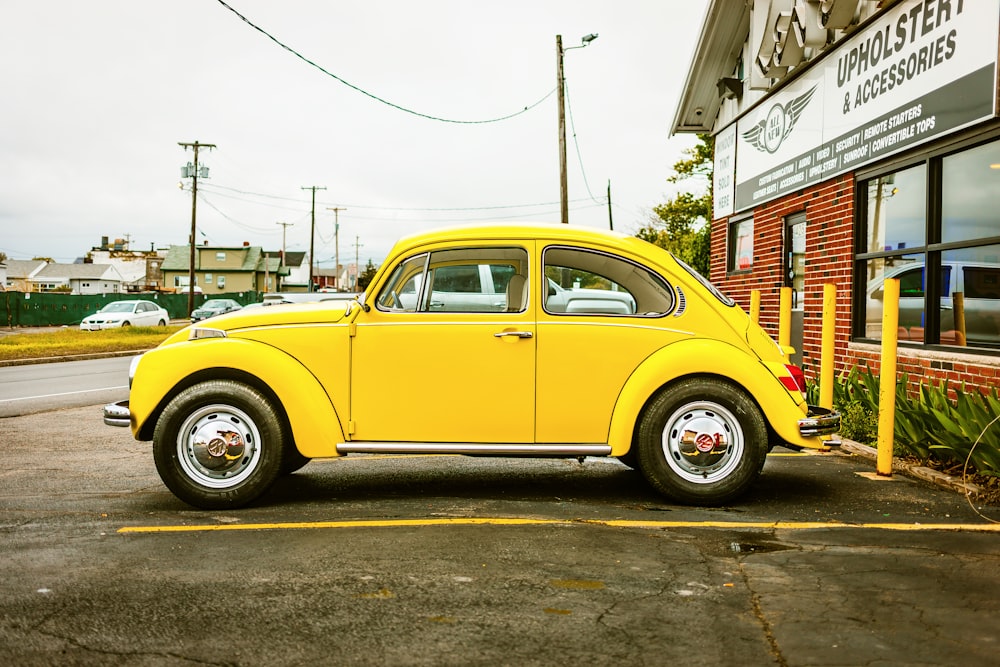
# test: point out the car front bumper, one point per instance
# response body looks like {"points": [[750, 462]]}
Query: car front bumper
{"points": [[819, 421], [117, 414]]}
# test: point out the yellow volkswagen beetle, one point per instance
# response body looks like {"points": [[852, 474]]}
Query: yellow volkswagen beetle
{"points": [[533, 340]]}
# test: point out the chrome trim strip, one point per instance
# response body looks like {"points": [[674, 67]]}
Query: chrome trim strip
{"points": [[492, 449], [819, 421]]}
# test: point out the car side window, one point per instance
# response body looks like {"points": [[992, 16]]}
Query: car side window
{"points": [[471, 280], [584, 282], [402, 292], [476, 280]]}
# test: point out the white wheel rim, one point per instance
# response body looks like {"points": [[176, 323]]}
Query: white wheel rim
{"points": [[218, 446], [703, 442]]}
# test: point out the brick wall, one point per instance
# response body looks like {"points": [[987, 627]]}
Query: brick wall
{"points": [[829, 209]]}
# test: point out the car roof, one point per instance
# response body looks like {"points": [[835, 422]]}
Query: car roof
{"points": [[549, 231]]}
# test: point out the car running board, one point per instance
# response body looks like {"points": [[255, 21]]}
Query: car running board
{"points": [[473, 449]]}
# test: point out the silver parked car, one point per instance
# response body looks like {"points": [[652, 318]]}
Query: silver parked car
{"points": [[977, 282], [214, 307]]}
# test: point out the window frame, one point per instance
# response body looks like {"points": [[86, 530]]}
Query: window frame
{"points": [[932, 249]]}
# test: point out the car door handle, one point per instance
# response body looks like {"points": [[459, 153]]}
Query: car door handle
{"points": [[516, 334]]}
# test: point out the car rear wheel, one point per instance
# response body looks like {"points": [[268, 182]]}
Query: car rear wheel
{"points": [[702, 442], [219, 444], [161, 323]]}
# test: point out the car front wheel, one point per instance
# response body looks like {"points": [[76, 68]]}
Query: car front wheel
{"points": [[219, 444], [702, 442]]}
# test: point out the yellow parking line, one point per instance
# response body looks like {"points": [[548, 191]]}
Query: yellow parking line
{"points": [[514, 521]]}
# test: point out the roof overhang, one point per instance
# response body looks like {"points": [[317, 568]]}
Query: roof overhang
{"points": [[723, 33]]}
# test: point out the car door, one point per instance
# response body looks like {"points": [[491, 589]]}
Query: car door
{"points": [[585, 357], [145, 314], [423, 370]]}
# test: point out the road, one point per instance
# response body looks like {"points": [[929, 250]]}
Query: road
{"points": [[383, 560], [38, 387]]}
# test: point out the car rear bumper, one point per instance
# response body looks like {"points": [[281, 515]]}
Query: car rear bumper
{"points": [[117, 414], [819, 421]]}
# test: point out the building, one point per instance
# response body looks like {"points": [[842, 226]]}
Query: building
{"points": [[857, 140], [20, 272], [76, 279], [140, 269], [222, 269], [296, 263]]}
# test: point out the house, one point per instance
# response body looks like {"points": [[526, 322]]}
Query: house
{"points": [[222, 269], [77, 279], [854, 139], [3, 276], [297, 264], [20, 271]]}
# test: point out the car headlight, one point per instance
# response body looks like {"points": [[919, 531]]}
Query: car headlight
{"points": [[132, 368]]}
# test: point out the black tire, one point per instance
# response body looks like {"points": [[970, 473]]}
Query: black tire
{"points": [[161, 323], [701, 442], [293, 460], [219, 444], [629, 458]]}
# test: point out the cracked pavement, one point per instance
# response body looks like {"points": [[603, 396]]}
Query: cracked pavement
{"points": [[691, 586]]}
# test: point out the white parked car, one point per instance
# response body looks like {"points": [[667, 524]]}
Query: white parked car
{"points": [[131, 313]]}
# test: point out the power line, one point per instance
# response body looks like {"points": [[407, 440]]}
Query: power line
{"points": [[386, 208], [376, 97], [579, 157]]}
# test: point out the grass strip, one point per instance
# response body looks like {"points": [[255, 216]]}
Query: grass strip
{"points": [[71, 341]]}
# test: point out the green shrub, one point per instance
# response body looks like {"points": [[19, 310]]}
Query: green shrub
{"points": [[928, 424]]}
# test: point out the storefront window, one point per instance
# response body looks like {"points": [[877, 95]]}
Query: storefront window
{"points": [[740, 246], [970, 306], [909, 270], [947, 259], [896, 210], [969, 194]]}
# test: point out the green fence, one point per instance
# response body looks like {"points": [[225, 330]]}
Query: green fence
{"points": [[35, 309]]}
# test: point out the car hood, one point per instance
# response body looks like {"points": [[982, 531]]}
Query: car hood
{"points": [[269, 316]]}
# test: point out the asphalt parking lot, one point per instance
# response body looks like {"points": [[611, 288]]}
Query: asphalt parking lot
{"points": [[464, 561]]}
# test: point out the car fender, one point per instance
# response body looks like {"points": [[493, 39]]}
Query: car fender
{"points": [[316, 426], [696, 357]]}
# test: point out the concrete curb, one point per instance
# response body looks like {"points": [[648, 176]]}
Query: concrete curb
{"points": [[69, 357], [920, 472]]}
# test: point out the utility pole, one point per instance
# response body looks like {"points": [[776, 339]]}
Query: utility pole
{"points": [[312, 232], [563, 184], [336, 246], [281, 260], [611, 222], [284, 230], [193, 172], [357, 262], [561, 90]]}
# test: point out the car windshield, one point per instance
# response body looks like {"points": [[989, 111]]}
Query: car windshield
{"points": [[214, 305], [119, 307]]}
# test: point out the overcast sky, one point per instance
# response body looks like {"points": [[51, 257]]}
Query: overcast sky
{"points": [[97, 95]]}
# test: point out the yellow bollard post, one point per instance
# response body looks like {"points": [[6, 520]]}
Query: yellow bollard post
{"points": [[755, 305], [887, 379], [827, 348], [785, 318]]}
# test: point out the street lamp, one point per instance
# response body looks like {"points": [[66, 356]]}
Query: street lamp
{"points": [[561, 87]]}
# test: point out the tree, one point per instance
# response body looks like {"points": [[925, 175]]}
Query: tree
{"points": [[366, 276], [682, 224]]}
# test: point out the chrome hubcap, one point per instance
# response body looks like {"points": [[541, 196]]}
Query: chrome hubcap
{"points": [[703, 442], [218, 446]]}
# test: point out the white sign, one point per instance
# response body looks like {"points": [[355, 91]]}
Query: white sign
{"points": [[724, 173], [888, 88]]}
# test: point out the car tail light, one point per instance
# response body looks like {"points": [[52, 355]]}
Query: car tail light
{"points": [[795, 380]]}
